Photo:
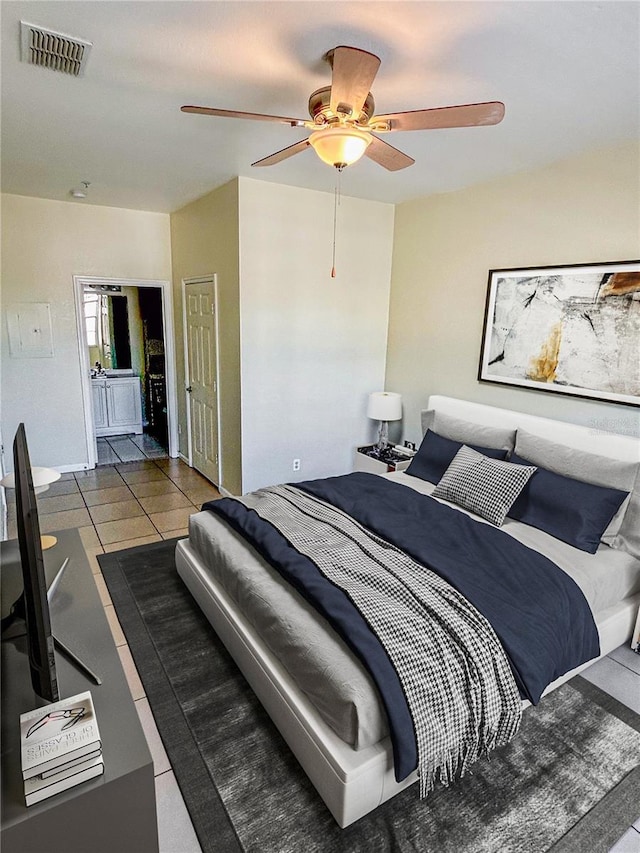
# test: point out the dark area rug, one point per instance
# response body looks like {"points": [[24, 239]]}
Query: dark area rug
{"points": [[566, 780]]}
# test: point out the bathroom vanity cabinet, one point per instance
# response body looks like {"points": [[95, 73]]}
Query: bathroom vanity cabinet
{"points": [[117, 405]]}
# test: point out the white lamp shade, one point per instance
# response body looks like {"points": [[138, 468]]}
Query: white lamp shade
{"points": [[384, 406], [340, 146], [42, 479]]}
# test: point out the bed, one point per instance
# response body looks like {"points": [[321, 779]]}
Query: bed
{"points": [[315, 689]]}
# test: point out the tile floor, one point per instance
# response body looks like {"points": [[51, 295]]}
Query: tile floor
{"points": [[162, 493], [134, 503], [128, 448], [115, 507], [119, 506], [618, 674]]}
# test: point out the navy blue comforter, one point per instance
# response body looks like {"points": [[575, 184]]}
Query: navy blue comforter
{"points": [[538, 612]]}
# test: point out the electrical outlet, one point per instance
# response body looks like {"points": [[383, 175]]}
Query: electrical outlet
{"points": [[296, 464]]}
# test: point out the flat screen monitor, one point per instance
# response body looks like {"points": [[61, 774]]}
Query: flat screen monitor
{"points": [[39, 636]]}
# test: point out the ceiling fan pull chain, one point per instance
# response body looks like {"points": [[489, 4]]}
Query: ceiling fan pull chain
{"points": [[336, 202]]}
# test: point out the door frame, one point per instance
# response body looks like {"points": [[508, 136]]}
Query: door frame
{"points": [[79, 282], [213, 280]]}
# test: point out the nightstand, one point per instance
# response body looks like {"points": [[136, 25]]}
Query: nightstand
{"points": [[368, 458]]}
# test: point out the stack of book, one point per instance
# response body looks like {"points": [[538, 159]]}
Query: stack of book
{"points": [[61, 747]]}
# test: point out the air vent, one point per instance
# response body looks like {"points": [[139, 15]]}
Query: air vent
{"points": [[56, 51]]}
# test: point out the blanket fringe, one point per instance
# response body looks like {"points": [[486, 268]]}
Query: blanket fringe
{"points": [[457, 680], [455, 763]]}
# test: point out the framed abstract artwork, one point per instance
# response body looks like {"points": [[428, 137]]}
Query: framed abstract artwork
{"points": [[568, 329]]}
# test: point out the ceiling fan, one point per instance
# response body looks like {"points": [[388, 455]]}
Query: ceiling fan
{"points": [[343, 120]]}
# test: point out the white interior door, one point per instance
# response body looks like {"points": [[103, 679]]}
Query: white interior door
{"points": [[202, 372]]}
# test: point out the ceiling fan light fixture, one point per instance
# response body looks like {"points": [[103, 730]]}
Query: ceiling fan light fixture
{"points": [[340, 146]]}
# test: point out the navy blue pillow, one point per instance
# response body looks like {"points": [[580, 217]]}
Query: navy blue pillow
{"points": [[436, 453], [571, 510]]}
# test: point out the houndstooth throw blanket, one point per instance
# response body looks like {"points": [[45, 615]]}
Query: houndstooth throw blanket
{"points": [[456, 677]]}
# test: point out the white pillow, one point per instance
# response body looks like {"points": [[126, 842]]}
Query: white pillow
{"points": [[482, 485], [467, 432]]}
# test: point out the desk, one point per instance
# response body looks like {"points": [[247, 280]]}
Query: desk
{"points": [[116, 811]]}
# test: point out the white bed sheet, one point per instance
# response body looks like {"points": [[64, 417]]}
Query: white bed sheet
{"points": [[318, 660], [605, 577]]}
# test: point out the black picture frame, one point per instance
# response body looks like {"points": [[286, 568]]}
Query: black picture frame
{"points": [[571, 329]]}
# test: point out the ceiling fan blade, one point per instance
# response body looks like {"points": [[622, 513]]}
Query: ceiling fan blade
{"points": [[386, 155], [466, 115], [354, 71], [284, 154], [211, 111]]}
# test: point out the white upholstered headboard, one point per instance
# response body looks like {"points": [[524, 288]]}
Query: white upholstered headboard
{"points": [[588, 439]]}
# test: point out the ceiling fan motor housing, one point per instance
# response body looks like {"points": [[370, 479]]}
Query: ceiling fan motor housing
{"points": [[320, 109]]}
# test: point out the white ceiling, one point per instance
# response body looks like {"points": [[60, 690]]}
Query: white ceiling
{"points": [[568, 73]]}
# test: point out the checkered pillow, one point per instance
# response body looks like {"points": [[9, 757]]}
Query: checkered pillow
{"points": [[485, 486]]}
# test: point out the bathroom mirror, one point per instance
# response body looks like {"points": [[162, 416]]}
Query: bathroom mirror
{"points": [[107, 325]]}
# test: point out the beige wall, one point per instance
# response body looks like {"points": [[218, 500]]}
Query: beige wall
{"points": [[582, 210], [313, 347], [44, 244], [204, 241], [299, 351]]}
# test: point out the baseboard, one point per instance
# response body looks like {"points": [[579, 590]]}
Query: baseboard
{"points": [[76, 466]]}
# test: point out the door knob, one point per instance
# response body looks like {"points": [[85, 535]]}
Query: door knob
{"points": [[189, 389]]}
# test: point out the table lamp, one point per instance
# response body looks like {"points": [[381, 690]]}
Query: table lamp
{"points": [[384, 406], [42, 479]]}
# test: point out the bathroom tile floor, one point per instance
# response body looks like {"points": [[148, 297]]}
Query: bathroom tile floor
{"points": [[129, 448]]}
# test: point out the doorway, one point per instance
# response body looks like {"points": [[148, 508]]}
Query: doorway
{"points": [[125, 338], [201, 373]]}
